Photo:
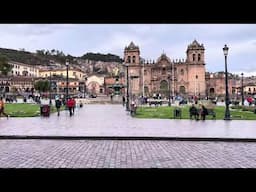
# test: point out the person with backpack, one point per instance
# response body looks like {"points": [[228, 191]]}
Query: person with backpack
{"points": [[58, 105]]}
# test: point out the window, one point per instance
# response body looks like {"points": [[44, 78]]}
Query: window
{"points": [[194, 57], [196, 76], [182, 71], [133, 59], [129, 59], [74, 73], [164, 71], [145, 72], [199, 57]]}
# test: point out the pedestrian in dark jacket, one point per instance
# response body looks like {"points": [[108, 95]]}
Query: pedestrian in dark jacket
{"points": [[203, 112], [193, 112], [58, 105], [123, 100]]}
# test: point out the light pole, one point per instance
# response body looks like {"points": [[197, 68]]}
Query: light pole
{"points": [[67, 64], [169, 90], [242, 88], [127, 88], [132, 77], [85, 79], [227, 112], [50, 88]]}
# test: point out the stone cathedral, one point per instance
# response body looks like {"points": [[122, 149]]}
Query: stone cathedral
{"points": [[183, 77]]}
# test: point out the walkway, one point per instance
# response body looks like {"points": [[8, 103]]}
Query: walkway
{"points": [[114, 121]]}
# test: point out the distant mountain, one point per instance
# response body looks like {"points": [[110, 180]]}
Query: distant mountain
{"points": [[44, 57]]}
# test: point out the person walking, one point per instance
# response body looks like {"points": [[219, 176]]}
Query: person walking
{"points": [[70, 105], [123, 100], [58, 105], [2, 108], [73, 102]]}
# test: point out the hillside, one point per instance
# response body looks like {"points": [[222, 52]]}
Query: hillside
{"points": [[44, 57], [101, 57]]}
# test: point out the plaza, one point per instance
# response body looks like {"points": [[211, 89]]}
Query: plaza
{"points": [[106, 136]]}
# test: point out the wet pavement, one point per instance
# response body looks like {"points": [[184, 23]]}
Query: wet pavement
{"points": [[113, 121]]}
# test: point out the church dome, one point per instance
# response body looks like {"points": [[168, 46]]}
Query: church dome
{"points": [[163, 57]]}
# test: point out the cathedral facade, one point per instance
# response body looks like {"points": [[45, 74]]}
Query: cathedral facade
{"points": [[166, 76]]}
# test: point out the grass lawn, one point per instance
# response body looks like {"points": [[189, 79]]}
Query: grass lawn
{"points": [[25, 109], [167, 113]]}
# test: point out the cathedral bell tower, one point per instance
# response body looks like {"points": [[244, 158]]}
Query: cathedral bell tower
{"points": [[196, 68], [134, 76], [132, 54]]}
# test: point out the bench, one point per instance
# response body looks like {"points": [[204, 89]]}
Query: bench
{"points": [[237, 116], [212, 113], [155, 102]]}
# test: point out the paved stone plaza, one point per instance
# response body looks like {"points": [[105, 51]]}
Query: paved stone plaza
{"points": [[114, 121], [125, 154]]}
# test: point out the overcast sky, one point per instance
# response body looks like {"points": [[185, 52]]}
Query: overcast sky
{"points": [[153, 40]]}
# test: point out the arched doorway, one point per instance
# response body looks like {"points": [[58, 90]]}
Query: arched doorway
{"points": [[164, 88], [212, 92], [146, 90], [182, 90]]}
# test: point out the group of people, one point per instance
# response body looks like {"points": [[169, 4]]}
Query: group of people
{"points": [[70, 104], [198, 113]]}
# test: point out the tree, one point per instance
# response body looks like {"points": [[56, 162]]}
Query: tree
{"points": [[5, 67], [42, 85], [53, 52]]}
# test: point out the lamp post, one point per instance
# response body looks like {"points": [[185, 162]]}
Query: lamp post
{"points": [[127, 89], [132, 77], [227, 112], [67, 64], [85, 79], [50, 88], [242, 88], [169, 89]]}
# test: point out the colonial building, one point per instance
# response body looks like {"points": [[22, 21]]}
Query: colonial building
{"points": [[177, 77], [95, 85], [21, 69], [72, 73]]}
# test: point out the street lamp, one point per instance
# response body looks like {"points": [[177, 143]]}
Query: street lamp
{"points": [[132, 77], [67, 64], [242, 88], [169, 89], [50, 88], [85, 79], [227, 112], [127, 88]]}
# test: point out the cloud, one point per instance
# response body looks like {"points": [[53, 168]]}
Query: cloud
{"points": [[153, 40]]}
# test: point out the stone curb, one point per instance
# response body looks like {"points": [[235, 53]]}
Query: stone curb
{"points": [[129, 138]]}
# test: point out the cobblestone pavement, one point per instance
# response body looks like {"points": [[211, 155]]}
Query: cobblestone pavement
{"points": [[113, 120], [125, 154]]}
